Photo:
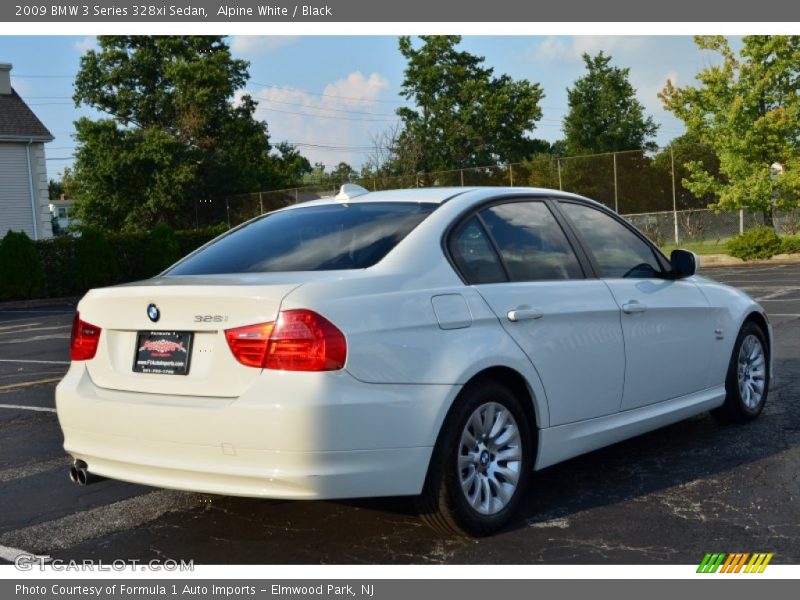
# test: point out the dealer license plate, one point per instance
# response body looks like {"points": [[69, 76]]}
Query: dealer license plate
{"points": [[163, 352]]}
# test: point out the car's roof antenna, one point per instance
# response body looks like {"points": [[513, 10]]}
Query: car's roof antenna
{"points": [[349, 191]]}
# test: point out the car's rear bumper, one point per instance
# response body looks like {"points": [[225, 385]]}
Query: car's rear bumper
{"points": [[328, 436]]}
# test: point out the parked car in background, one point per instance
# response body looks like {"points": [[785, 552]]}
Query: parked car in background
{"points": [[438, 343]]}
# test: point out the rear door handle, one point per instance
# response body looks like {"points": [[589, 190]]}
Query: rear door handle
{"points": [[524, 314], [632, 306]]}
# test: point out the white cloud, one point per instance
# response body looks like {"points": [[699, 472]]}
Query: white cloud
{"points": [[550, 49], [86, 44], [610, 44], [261, 44], [343, 114], [569, 50]]}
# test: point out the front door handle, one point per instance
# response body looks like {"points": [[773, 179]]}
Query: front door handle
{"points": [[632, 306], [524, 314]]}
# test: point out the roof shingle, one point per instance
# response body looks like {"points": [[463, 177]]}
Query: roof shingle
{"points": [[18, 121]]}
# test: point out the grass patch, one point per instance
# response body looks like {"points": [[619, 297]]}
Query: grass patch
{"points": [[700, 248]]}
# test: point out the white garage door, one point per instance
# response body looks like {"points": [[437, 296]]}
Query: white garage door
{"points": [[15, 195]]}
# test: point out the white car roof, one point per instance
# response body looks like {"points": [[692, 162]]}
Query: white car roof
{"points": [[435, 195]]}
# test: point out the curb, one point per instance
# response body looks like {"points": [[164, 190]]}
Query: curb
{"points": [[71, 301], [723, 260]]}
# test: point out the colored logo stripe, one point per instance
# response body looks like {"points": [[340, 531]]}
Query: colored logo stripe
{"points": [[734, 562], [758, 563], [711, 562]]}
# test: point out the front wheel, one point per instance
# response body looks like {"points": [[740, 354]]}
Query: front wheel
{"points": [[481, 463], [747, 383]]}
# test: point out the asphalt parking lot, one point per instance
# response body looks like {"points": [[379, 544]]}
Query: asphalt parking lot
{"points": [[665, 497]]}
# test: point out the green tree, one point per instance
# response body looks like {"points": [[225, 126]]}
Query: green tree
{"points": [[316, 176], [748, 110], [290, 165], [55, 189], [342, 173], [683, 150], [173, 133], [604, 114], [463, 115]]}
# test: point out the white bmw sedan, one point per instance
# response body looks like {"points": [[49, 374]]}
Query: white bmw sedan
{"points": [[440, 343]]}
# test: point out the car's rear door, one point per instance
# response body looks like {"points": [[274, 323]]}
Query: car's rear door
{"points": [[520, 260]]}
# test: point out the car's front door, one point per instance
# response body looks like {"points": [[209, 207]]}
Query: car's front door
{"points": [[667, 323], [520, 260]]}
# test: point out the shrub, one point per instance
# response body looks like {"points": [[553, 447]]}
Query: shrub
{"points": [[190, 240], [131, 251], [21, 272], [115, 258], [790, 245], [162, 249], [759, 242], [95, 260], [58, 260]]}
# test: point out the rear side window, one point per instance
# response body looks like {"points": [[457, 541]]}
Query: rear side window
{"points": [[531, 243], [316, 238], [474, 255]]}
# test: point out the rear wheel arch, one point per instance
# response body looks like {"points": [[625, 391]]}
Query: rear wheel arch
{"points": [[517, 383], [440, 502]]}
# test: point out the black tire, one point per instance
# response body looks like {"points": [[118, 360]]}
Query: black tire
{"points": [[736, 409], [443, 505]]}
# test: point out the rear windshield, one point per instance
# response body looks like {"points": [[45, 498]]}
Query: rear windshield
{"points": [[316, 238]]}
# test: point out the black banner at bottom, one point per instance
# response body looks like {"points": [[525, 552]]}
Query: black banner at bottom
{"points": [[395, 589]]}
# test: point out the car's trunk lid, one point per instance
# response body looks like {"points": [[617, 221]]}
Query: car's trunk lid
{"points": [[203, 306]]}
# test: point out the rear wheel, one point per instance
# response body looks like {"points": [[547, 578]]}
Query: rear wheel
{"points": [[481, 463], [747, 383]]}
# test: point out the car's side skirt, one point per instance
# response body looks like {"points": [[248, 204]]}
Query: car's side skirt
{"points": [[562, 442]]}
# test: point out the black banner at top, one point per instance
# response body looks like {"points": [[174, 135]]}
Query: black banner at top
{"points": [[221, 11]]}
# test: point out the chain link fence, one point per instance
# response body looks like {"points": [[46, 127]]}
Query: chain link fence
{"points": [[703, 225], [645, 186]]}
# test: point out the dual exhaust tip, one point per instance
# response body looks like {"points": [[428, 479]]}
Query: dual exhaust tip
{"points": [[79, 473]]}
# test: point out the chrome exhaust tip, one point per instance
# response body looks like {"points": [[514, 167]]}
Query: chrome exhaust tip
{"points": [[79, 473]]}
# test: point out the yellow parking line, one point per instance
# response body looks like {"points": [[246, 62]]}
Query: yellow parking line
{"points": [[12, 386]]}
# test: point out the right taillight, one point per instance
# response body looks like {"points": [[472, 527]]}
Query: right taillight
{"points": [[300, 340], [84, 339]]}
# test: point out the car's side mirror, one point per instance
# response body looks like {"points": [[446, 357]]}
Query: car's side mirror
{"points": [[684, 263]]}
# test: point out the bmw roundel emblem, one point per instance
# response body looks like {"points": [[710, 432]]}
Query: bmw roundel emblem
{"points": [[153, 313]]}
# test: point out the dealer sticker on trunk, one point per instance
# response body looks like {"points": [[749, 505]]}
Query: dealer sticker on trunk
{"points": [[163, 352]]}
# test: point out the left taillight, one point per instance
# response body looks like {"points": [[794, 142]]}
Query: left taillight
{"points": [[84, 339]]}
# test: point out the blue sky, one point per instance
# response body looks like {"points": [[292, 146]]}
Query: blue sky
{"points": [[342, 90]]}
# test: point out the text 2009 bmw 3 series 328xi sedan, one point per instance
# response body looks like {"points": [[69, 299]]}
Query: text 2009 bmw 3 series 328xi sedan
{"points": [[440, 343]]}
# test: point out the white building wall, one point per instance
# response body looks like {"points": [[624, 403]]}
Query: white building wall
{"points": [[16, 212], [15, 198]]}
